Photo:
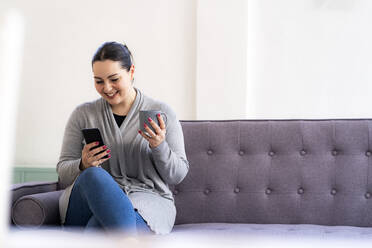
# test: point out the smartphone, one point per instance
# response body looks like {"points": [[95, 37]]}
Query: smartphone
{"points": [[93, 135]]}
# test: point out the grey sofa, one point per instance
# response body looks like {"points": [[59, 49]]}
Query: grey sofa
{"points": [[308, 177]]}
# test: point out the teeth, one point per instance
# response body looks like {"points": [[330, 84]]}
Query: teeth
{"points": [[111, 94]]}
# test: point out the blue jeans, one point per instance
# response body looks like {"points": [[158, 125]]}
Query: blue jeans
{"points": [[97, 201]]}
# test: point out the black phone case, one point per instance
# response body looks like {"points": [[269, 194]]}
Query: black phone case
{"points": [[93, 135]]}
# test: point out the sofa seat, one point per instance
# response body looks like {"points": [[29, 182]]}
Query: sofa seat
{"points": [[305, 230], [267, 235]]}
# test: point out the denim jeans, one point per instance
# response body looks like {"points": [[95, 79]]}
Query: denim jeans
{"points": [[97, 202]]}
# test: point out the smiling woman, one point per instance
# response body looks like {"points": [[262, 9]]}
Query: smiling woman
{"points": [[114, 75], [129, 193]]}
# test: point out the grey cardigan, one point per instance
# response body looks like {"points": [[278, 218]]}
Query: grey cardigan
{"points": [[142, 172]]}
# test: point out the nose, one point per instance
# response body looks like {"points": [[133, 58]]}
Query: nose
{"points": [[106, 87]]}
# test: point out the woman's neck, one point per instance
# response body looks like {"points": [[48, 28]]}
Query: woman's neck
{"points": [[124, 107]]}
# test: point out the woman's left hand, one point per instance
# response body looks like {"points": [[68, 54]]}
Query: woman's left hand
{"points": [[157, 138]]}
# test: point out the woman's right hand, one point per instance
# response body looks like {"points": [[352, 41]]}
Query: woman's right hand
{"points": [[88, 157]]}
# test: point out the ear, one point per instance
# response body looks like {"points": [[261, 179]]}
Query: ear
{"points": [[131, 72]]}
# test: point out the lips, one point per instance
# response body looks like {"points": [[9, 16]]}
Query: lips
{"points": [[112, 96]]}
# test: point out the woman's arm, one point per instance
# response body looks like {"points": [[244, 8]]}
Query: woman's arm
{"points": [[170, 157], [70, 157]]}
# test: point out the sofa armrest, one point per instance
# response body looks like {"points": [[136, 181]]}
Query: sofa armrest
{"points": [[22, 189], [29, 188], [37, 209]]}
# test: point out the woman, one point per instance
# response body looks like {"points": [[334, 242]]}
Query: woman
{"points": [[127, 191]]}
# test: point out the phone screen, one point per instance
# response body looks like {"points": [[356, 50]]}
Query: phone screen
{"points": [[93, 135]]}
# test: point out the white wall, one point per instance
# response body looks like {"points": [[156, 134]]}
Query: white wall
{"points": [[309, 59], [209, 59], [60, 39], [221, 59]]}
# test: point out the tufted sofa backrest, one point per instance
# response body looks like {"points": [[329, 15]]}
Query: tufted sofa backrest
{"points": [[277, 171]]}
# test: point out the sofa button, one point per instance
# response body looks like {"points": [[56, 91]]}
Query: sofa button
{"points": [[210, 152], [368, 195], [175, 192], [268, 191], [271, 153], [241, 153], [303, 152], [368, 153], [333, 192], [236, 190], [206, 191], [334, 152], [300, 191]]}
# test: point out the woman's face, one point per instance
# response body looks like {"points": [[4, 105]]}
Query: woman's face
{"points": [[112, 82]]}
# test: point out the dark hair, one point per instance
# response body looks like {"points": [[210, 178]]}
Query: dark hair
{"points": [[116, 52]]}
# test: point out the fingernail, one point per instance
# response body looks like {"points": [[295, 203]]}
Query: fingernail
{"points": [[145, 125], [108, 151], [97, 143], [139, 131], [109, 155], [104, 147], [149, 119], [158, 115]]}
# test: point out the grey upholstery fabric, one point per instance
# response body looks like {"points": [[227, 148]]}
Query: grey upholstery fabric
{"points": [[37, 209], [269, 235], [276, 172], [281, 230], [24, 189], [21, 189]]}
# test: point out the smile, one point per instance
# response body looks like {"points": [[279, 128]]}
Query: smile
{"points": [[112, 95]]}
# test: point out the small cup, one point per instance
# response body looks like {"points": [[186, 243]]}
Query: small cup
{"points": [[145, 114]]}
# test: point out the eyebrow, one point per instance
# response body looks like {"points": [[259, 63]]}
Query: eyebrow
{"points": [[108, 76]]}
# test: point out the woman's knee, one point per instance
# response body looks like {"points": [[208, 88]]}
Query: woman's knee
{"points": [[93, 175]]}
